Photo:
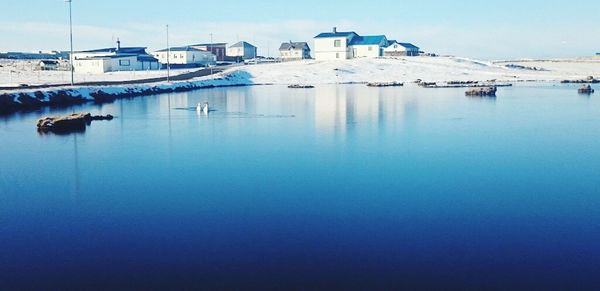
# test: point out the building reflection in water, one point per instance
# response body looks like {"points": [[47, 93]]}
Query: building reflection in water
{"points": [[343, 112]]}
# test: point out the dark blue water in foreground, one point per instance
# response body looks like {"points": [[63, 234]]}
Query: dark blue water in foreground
{"points": [[340, 187]]}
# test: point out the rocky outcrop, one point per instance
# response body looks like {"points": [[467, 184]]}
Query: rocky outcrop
{"points": [[588, 80], [76, 122], [385, 84], [485, 91], [298, 86], [586, 89]]}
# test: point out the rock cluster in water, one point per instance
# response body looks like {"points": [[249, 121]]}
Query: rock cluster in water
{"points": [[485, 91], [69, 123], [385, 84], [586, 89]]}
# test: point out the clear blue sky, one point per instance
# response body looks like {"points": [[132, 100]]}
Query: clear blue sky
{"points": [[480, 29]]}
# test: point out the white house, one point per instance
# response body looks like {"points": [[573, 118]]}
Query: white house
{"points": [[368, 46], [293, 51], [334, 45], [185, 57], [348, 45], [114, 59], [242, 50], [395, 49]]}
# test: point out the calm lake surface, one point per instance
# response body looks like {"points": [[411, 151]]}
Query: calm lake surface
{"points": [[338, 187]]}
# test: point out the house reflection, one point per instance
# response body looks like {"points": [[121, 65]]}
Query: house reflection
{"points": [[348, 111]]}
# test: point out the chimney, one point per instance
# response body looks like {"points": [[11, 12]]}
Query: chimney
{"points": [[334, 29], [118, 44]]}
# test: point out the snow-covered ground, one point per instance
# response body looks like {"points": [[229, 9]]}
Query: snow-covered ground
{"points": [[15, 72], [400, 69], [408, 69]]}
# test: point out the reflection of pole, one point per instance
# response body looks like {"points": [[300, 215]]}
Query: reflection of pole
{"points": [[77, 182], [168, 57]]}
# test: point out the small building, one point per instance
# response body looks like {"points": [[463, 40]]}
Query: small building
{"points": [[114, 60], [396, 49], [49, 65], [218, 49], [107, 63], [368, 46], [242, 51], [185, 57], [293, 51]]}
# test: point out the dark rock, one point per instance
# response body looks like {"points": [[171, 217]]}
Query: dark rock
{"points": [[586, 89], [76, 122], [27, 101], [298, 86], [7, 103], [385, 84], [485, 91]]}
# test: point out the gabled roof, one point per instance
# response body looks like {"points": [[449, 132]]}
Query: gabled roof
{"points": [[336, 34], [406, 45], [117, 56], [180, 49], [147, 58], [125, 50], [293, 46], [243, 44], [211, 44], [369, 40]]}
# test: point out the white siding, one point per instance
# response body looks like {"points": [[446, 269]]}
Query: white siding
{"points": [[366, 51], [326, 50]]}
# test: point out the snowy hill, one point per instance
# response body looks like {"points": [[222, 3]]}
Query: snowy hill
{"points": [[408, 69]]}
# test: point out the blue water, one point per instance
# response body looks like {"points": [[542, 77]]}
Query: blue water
{"points": [[335, 188]]}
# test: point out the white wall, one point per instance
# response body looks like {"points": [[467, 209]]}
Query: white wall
{"points": [[245, 53], [298, 54], [366, 51], [325, 49], [93, 66], [186, 58]]}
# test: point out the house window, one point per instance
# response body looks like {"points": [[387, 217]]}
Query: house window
{"points": [[124, 63], [370, 48], [337, 55], [337, 43], [396, 46]]}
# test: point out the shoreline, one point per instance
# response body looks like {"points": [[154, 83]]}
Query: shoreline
{"points": [[443, 72]]}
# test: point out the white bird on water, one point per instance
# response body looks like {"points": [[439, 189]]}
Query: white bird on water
{"points": [[202, 108]]}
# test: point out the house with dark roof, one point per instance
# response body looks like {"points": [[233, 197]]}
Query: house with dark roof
{"points": [[334, 45], [185, 57], [294, 51], [395, 49], [242, 51], [114, 59]]}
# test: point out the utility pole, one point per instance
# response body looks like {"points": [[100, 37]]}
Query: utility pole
{"points": [[212, 52], [71, 59], [168, 57]]}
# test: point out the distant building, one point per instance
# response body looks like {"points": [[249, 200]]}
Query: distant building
{"points": [[292, 51], [114, 60], [242, 51], [597, 54], [49, 65], [337, 45], [218, 49], [395, 49], [185, 57], [41, 55]]}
